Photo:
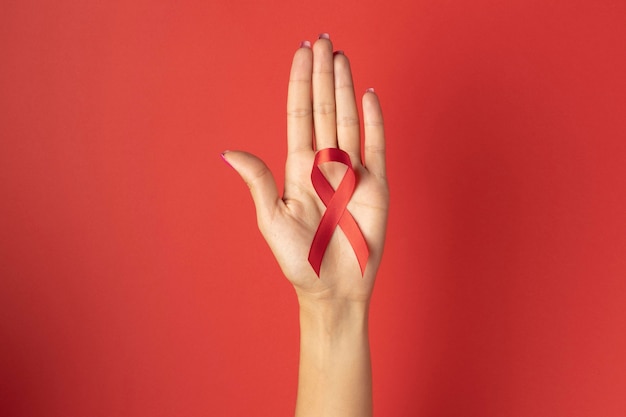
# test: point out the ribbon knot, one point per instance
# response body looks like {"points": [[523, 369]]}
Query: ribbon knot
{"points": [[336, 202]]}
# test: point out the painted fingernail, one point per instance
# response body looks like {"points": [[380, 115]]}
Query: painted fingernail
{"points": [[338, 53], [324, 36], [223, 155], [370, 90], [305, 44]]}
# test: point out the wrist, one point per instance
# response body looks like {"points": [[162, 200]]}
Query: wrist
{"points": [[335, 372], [333, 320]]}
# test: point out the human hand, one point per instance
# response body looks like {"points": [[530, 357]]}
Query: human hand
{"points": [[322, 113]]}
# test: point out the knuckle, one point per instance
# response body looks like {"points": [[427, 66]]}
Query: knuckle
{"points": [[324, 108], [258, 175], [298, 112], [295, 80], [374, 123], [323, 70], [344, 85], [375, 149], [347, 121]]}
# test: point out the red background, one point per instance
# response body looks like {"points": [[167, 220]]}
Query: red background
{"points": [[134, 281]]}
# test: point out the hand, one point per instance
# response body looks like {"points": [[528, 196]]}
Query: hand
{"points": [[322, 113]]}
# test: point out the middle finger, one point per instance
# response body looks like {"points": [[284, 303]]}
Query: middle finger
{"points": [[324, 118]]}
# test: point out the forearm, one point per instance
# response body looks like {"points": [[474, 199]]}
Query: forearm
{"points": [[335, 376]]}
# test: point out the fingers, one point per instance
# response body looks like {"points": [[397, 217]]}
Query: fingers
{"points": [[324, 94], [259, 179], [299, 107], [348, 136], [374, 135], [322, 111]]}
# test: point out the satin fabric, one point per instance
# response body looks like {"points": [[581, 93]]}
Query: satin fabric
{"points": [[336, 202]]}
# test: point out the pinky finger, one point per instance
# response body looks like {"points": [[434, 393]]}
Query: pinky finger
{"points": [[374, 135]]}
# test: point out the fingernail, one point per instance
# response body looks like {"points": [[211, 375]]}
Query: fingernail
{"points": [[324, 36], [338, 53], [223, 155], [370, 90], [305, 44]]}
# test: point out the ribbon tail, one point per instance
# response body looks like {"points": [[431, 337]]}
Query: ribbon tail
{"points": [[324, 233], [355, 237]]}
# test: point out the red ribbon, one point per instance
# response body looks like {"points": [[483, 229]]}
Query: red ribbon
{"points": [[336, 212]]}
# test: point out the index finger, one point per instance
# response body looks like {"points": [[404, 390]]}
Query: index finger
{"points": [[299, 106]]}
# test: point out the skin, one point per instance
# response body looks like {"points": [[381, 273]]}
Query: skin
{"points": [[335, 371]]}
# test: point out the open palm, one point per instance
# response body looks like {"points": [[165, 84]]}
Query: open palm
{"points": [[322, 113]]}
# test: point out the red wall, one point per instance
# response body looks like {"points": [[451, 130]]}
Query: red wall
{"points": [[133, 281]]}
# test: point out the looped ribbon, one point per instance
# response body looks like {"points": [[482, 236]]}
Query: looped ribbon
{"points": [[336, 202]]}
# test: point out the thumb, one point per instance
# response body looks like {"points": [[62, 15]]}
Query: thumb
{"points": [[258, 177]]}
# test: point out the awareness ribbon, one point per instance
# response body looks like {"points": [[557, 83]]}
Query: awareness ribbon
{"points": [[336, 212]]}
